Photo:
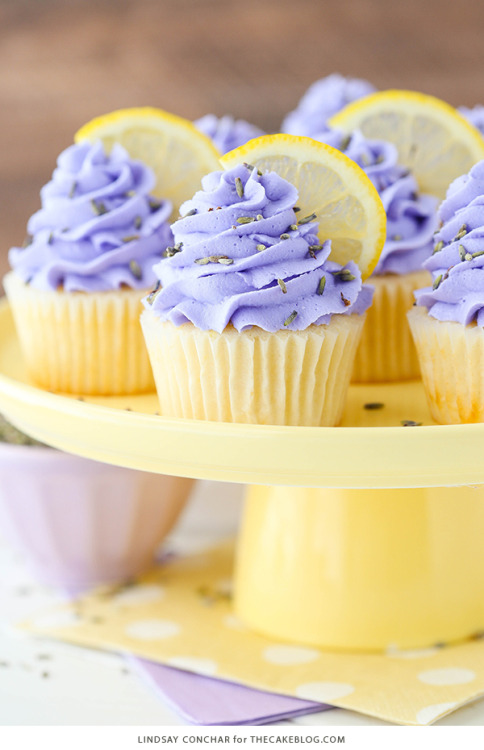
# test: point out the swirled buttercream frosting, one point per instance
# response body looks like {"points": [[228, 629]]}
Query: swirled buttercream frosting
{"points": [[411, 216], [98, 228], [227, 133], [457, 263], [244, 256], [323, 99]]}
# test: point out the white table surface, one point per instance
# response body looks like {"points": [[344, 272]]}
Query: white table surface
{"points": [[43, 682]]}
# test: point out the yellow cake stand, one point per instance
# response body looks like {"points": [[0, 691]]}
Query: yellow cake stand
{"points": [[366, 536]]}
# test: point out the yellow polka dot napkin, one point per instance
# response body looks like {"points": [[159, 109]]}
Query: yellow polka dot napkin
{"points": [[180, 614]]}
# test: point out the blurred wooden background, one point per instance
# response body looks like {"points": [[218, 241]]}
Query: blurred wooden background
{"points": [[64, 61]]}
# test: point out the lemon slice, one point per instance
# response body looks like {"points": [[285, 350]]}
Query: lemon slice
{"points": [[177, 152], [347, 206], [433, 140]]}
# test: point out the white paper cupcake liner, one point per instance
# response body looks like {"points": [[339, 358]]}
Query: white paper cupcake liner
{"points": [[386, 351], [81, 343], [286, 378]]}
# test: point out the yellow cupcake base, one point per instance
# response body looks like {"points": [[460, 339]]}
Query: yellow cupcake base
{"points": [[74, 342], [386, 352], [452, 363], [283, 378]]}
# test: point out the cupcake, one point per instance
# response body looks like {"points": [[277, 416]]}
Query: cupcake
{"points": [[323, 99], [386, 351], [448, 322], [251, 321], [76, 284], [226, 133]]}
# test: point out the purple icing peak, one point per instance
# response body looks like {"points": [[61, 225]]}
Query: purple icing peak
{"points": [[411, 216], [457, 265], [98, 229], [243, 259], [323, 99], [227, 133]]}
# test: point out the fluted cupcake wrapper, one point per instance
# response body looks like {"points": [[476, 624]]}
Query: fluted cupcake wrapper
{"points": [[452, 363], [79, 522], [386, 351], [283, 378], [81, 343]]}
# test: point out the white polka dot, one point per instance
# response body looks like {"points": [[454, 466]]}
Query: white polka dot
{"points": [[420, 653], [152, 630], [143, 594], [289, 655], [324, 692], [430, 713], [57, 620], [233, 622], [194, 664], [449, 676]]}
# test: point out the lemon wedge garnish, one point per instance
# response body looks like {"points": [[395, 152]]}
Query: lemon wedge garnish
{"points": [[176, 151], [433, 140], [331, 186]]}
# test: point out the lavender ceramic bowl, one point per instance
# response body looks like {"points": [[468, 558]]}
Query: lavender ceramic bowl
{"points": [[80, 522]]}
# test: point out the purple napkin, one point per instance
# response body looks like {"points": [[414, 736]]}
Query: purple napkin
{"points": [[205, 700]]}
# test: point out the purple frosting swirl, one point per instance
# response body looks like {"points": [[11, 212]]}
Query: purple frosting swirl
{"points": [[411, 216], [323, 99], [475, 116], [457, 264], [98, 229], [227, 133], [244, 260]]}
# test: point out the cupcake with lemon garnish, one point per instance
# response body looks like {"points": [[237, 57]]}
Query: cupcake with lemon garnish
{"points": [[75, 289], [76, 286], [448, 322], [254, 321], [436, 144]]}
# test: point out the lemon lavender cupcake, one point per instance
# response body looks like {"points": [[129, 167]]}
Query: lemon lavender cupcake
{"points": [[250, 320], [386, 351], [76, 285], [448, 322]]}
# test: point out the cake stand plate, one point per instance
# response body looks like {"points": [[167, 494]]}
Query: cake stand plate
{"points": [[365, 536], [371, 449]]}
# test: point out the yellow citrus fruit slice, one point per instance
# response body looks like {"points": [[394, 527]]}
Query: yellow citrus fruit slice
{"points": [[177, 152], [433, 140], [347, 206]]}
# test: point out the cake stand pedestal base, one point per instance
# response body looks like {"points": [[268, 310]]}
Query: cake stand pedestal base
{"points": [[362, 569]]}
